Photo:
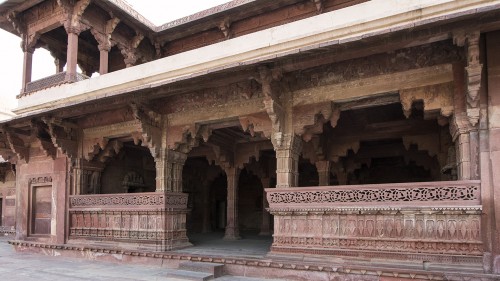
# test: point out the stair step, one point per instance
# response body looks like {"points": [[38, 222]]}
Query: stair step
{"points": [[216, 269], [189, 275]]}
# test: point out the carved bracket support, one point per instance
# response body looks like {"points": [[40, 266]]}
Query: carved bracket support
{"points": [[340, 148], [225, 28], [436, 98], [319, 5], [258, 122], [61, 135], [130, 51], [150, 127], [73, 15], [470, 40], [308, 120]]}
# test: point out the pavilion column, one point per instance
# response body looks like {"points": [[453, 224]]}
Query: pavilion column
{"points": [[169, 167], [288, 149], [323, 168], [265, 228], [72, 54], [103, 59], [60, 63], [27, 67], [232, 226]]}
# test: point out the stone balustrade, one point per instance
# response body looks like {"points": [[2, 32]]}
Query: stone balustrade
{"points": [[141, 219], [51, 81], [428, 221]]}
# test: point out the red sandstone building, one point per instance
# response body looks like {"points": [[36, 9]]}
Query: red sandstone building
{"points": [[362, 137]]}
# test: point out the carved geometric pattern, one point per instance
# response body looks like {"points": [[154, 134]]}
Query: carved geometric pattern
{"points": [[36, 180], [172, 200], [448, 233], [443, 193]]}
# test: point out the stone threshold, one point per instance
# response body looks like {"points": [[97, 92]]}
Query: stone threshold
{"points": [[258, 267]]}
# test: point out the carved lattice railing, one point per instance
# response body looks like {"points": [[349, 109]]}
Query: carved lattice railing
{"points": [[142, 218], [432, 221], [52, 81]]}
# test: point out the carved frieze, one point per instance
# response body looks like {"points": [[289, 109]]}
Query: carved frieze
{"points": [[381, 64], [40, 180]]}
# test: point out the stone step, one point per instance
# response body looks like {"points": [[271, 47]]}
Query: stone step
{"points": [[216, 269], [189, 275]]}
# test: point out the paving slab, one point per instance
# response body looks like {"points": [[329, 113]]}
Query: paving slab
{"points": [[17, 266]]}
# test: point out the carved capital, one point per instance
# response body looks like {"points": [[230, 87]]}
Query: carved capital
{"points": [[460, 125], [276, 114]]}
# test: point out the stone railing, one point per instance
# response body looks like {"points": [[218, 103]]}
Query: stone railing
{"points": [[51, 81], [432, 221], [154, 219]]}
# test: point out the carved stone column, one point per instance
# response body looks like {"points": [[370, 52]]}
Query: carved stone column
{"points": [[323, 168], [288, 148], [72, 53], [232, 227], [77, 177], [265, 227], [27, 67], [169, 166], [103, 59]]}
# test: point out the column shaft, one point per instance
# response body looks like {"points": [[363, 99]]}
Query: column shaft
{"points": [[72, 56], [27, 68], [103, 61], [232, 227]]}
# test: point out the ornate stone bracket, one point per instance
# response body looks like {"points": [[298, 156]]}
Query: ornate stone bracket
{"points": [[150, 127], [341, 148], [459, 125], [61, 135], [104, 37], [37, 129], [73, 13], [258, 122], [309, 119], [19, 145], [111, 150], [225, 28], [92, 146], [129, 51], [319, 5], [183, 137], [424, 142], [470, 40], [436, 98]]}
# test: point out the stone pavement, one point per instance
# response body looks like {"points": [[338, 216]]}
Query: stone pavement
{"points": [[27, 267]]}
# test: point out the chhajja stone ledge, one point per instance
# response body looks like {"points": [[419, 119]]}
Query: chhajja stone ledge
{"points": [[387, 196]]}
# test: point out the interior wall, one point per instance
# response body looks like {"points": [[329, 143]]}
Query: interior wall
{"points": [[130, 159]]}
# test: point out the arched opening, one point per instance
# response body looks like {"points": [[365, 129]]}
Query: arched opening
{"points": [[131, 170]]}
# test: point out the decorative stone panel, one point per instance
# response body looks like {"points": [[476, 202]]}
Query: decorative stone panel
{"points": [[437, 221]]}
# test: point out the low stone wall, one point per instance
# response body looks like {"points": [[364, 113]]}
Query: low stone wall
{"points": [[151, 220], [428, 222]]}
